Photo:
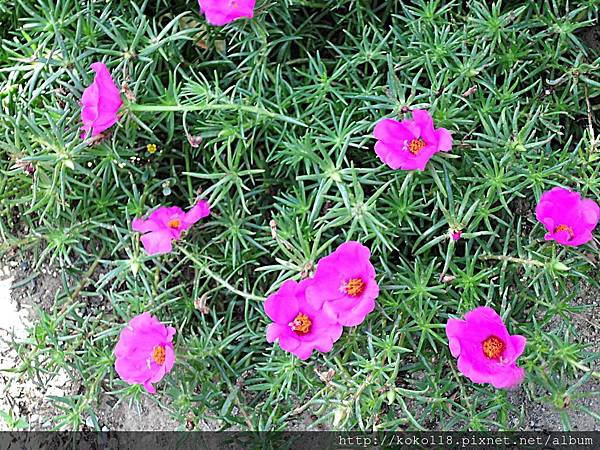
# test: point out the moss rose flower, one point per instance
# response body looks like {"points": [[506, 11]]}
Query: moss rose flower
{"points": [[100, 102], [145, 351], [298, 327], [486, 352], [410, 144], [344, 284], [166, 224], [568, 218]]}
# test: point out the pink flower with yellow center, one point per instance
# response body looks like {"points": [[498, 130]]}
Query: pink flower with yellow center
{"points": [[344, 284], [486, 352], [569, 219], [222, 12], [410, 144], [297, 326], [100, 102], [166, 224], [144, 353]]}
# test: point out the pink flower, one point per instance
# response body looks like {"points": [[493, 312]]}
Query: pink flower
{"points": [[145, 351], [568, 218], [221, 12], [166, 225], [100, 102], [344, 284], [410, 144], [456, 235], [298, 326], [486, 352]]}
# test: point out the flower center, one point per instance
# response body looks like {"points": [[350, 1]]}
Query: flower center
{"points": [[493, 347], [174, 223], [354, 287], [301, 324], [566, 228], [158, 355], [416, 145]]}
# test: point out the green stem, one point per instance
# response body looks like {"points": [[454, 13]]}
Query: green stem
{"points": [[584, 368], [530, 262], [136, 107], [187, 169], [218, 279]]}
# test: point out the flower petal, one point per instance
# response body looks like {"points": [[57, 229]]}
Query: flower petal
{"points": [[157, 242], [169, 358], [219, 12], [518, 342], [389, 154], [424, 121], [100, 102], [282, 306], [199, 211], [590, 212], [444, 139], [143, 226], [509, 378], [392, 131], [149, 387]]}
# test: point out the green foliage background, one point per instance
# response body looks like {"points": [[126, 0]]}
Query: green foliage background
{"points": [[285, 106]]}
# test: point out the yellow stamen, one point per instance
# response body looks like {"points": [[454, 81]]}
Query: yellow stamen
{"points": [[301, 324], [174, 223], [158, 355], [416, 145], [566, 228], [354, 287], [493, 347]]}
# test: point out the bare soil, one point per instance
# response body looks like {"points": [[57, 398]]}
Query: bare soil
{"points": [[541, 417]]}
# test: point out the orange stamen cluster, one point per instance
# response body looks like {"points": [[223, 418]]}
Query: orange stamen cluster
{"points": [[493, 347], [174, 223], [416, 145], [354, 287], [566, 228], [158, 355], [301, 324]]}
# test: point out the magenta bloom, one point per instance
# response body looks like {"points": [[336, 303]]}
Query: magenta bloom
{"points": [[166, 224], [298, 327], [100, 102], [344, 284], [568, 218], [221, 12], [410, 144], [456, 235], [486, 352], [145, 351]]}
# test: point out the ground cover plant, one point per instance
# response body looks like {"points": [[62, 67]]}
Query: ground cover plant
{"points": [[263, 132]]}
